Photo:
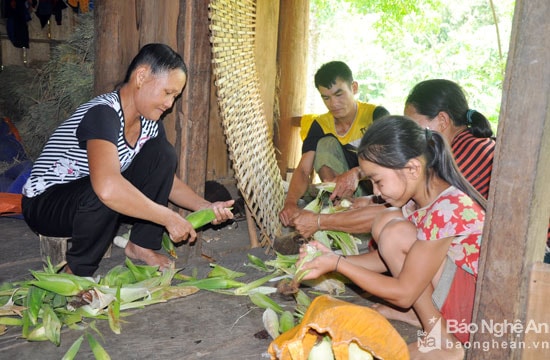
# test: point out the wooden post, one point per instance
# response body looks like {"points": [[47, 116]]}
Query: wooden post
{"points": [[193, 111], [157, 21], [519, 200], [292, 58]]}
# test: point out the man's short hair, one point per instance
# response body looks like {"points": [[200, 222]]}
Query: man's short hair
{"points": [[328, 73]]}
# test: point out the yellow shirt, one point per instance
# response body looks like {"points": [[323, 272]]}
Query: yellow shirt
{"points": [[313, 127]]}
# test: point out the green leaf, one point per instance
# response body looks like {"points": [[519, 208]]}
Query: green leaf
{"points": [[245, 289], [263, 301], [286, 321], [257, 263], [117, 276], [113, 312], [141, 272], [38, 334], [63, 283], [97, 349], [73, 350], [223, 272], [52, 324], [168, 245], [35, 295], [11, 321], [213, 283]]}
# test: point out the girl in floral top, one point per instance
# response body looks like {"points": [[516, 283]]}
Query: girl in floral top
{"points": [[428, 241]]}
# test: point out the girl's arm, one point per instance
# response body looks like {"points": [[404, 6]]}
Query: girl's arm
{"points": [[413, 264]]}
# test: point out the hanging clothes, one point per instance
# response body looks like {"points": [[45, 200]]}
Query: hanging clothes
{"points": [[47, 8], [80, 6], [17, 15]]}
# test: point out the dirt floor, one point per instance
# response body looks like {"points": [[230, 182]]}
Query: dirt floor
{"points": [[205, 325]]}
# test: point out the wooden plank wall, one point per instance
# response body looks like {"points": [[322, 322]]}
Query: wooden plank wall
{"points": [[519, 200], [123, 27]]}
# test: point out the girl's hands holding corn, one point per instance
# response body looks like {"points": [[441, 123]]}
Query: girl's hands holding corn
{"points": [[320, 264]]}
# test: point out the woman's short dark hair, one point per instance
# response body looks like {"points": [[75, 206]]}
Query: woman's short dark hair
{"points": [[160, 57]]}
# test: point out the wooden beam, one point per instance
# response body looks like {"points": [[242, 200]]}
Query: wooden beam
{"points": [[519, 200], [157, 21]]}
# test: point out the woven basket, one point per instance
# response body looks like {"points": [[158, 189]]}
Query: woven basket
{"points": [[250, 144]]}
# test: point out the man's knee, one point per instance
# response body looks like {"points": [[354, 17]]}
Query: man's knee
{"points": [[329, 153], [328, 144]]}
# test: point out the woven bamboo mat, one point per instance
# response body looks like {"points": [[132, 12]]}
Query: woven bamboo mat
{"points": [[250, 143]]}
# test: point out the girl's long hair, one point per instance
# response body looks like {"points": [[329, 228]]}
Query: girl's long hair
{"points": [[394, 140]]}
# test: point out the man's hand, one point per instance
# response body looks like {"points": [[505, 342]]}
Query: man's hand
{"points": [[306, 223], [289, 213], [346, 184]]}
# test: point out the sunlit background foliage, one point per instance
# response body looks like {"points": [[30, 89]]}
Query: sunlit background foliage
{"points": [[391, 45]]}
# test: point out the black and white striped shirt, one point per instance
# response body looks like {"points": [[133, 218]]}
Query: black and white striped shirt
{"points": [[64, 158]]}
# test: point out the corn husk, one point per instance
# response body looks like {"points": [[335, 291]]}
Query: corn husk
{"points": [[270, 320]]}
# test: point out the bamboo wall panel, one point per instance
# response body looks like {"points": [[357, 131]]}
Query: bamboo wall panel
{"points": [[250, 145]]}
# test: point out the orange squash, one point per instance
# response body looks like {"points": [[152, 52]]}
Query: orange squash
{"points": [[344, 322]]}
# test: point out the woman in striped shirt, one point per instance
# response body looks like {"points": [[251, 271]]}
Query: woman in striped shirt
{"points": [[441, 105], [111, 161]]}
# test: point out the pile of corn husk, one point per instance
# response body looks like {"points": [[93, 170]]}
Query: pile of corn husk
{"points": [[41, 306], [50, 300]]}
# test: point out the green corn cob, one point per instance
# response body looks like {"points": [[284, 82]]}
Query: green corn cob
{"points": [[271, 322], [263, 301], [286, 321], [201, 217]]}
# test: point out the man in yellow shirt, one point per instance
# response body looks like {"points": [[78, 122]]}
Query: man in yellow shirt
{"points": [[330, 140]]}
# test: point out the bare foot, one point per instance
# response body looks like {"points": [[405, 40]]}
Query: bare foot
{"points": [[68, 269], [148, 256], [391, 313]]}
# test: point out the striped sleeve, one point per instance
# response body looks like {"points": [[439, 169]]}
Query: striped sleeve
{"points": [[474, 157]]}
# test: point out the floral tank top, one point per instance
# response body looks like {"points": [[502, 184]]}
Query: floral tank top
{"points": [[452, 214]]}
